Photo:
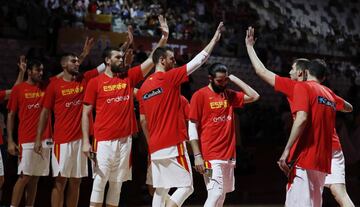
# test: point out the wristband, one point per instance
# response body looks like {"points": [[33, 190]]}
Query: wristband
{"points": [[197, 155]]}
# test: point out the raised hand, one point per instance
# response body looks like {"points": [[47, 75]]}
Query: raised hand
{"points": [[22, 63], [219, 29], [129, 40], [129, 57], [89, 43], [164, 26], [250, 39], [130, 34]]}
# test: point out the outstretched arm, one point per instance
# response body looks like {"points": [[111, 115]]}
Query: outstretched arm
{"points": [[129, 40], [20, 78], [148, 63], [201, 58], [259, 67], [347, 107], [250, 94], [88, 45]]}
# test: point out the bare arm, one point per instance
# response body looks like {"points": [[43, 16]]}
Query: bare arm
{"points": [[296, 131], [135, 92], [20, 78], [87, 109], [130, 39], [250, 94], [88, 45], [22, 70], [259, 67], [44, 115], [347, 107], [194, 142], [148, 63], [12, 147], [201, 58]]}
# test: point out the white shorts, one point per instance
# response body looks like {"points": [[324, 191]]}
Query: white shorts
{"points": [[222, 175], [337, 169], [172, 172], [114, 160], [68, 160], [1, 165], [149, 180], [306, 189], [33, 164]]}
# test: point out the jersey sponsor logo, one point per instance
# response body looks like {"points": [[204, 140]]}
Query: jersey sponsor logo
{"points": [[222, 118], [114, 87], [73, 103], [326, 102], [34, 95], [153, 93], [70, 91], [118, 99], [219, 104], [33, 106]]}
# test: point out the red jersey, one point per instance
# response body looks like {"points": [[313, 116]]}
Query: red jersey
{"points": [[113, 99], [185, 107], [2, 97], [25, 100], [286, 86], [214, 114], [313, 149], [161, 105], [65, 99]]}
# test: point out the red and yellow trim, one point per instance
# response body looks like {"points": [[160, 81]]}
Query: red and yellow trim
{"points": [[57, 151], [181, 157], [207, 164], [94, 145]]}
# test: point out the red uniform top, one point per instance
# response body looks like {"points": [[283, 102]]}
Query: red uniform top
{"points": [[286, 86], [214, 114], [113, 98], [25, 99], [185, 107], [313, 149], [2, 97], [65, 99], [160, 97]]}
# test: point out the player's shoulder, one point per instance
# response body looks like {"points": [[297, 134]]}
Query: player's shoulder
{"points": [[200, 93], [19, 86], [202, 90], [285, 80]]}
